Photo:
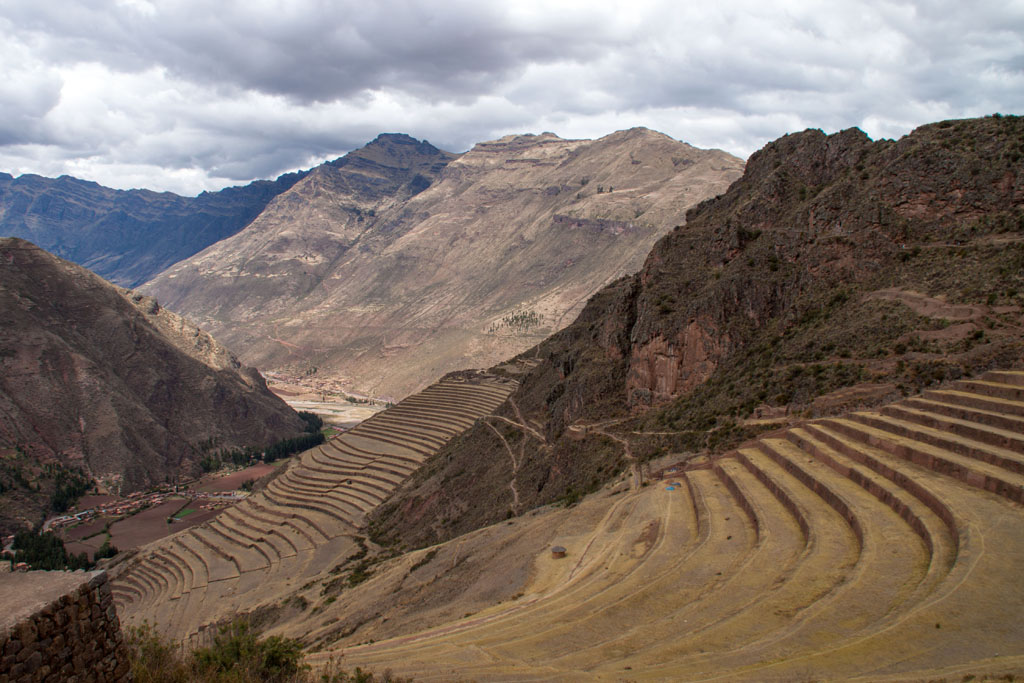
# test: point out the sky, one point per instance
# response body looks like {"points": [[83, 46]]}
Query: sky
{"points": [[192, 95]]}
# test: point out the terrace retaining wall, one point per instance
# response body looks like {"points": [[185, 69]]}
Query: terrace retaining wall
{"points": [[60, 626]]}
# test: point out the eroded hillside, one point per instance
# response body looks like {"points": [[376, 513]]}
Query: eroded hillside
{"points": [[837, 272], [101, 380], [400, 262]]}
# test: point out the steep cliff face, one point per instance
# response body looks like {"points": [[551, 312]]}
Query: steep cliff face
{"points": [[126, 236], [836, 272], [103, 380], [399, 262]]}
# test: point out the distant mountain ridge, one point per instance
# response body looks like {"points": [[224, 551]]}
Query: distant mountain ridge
{"points": [[401, 262], [103, 380], [126, 236]]}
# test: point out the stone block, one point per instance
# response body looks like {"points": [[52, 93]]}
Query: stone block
{"points": [[13, 647], [25, 653], [122, 668], [28, 633], [33, 662]]}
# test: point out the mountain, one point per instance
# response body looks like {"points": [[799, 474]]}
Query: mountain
{"points": [[104, 380], [126, 236], [836, 273], [400, 262]]}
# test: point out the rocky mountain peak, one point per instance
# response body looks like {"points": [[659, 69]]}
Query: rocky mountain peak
{"points": [[460, 261]]}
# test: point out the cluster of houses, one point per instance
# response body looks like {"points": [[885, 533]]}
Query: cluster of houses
{"points": [[123, 506]]}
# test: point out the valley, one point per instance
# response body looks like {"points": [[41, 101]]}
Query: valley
{"points": [[790, 446]]}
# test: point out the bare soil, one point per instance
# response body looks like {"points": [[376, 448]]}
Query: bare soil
{"points": [[233, 481], [145, 527]]}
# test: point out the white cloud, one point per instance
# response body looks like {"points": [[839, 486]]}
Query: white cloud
{"points": [[188, 95]]}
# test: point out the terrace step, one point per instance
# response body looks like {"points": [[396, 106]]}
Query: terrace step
{"points": [[900, 472], [288, 525], [1013, 377], [1008, 392], [961, 445], [196, 562], [248, 553], [970, 399], [969, 429], [931, 529], [968, 470], [708, 598], [279, 547], [331, 514], [990, 418], [222, 564]]}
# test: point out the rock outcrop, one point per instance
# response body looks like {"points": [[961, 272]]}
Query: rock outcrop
{"points": [[400, 262], [826, 278], [103, 380]]}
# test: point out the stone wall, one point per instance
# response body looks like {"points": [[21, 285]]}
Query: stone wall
{"points": [[60, 626]]}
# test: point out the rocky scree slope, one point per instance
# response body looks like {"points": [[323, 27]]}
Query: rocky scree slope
{"points": [[126, 236], [400, 262], [836, 273], [103, 380]]}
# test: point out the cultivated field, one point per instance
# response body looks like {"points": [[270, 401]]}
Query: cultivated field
{"points": [[302, 524], [883, 545]]}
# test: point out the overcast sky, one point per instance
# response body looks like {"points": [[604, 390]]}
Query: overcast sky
{"points": [[186, 95]]}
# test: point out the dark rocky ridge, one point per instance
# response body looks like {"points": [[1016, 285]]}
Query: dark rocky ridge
{"points": [[126, 236], [97, 378], [830, 275]]}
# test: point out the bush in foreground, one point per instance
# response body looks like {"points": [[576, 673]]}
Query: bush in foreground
{"points": [[237, 655]]}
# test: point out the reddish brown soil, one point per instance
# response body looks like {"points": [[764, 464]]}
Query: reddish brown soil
{"points": [[232, 482], [144, 527], [82, 530], [197, 517], [86, 502], [88, 547]]}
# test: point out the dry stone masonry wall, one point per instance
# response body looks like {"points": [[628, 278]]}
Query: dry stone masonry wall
{"points": [[60, 626]]}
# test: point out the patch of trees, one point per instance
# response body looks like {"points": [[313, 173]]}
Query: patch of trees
{"points": [[241, 457], [69, 486], [518, 321], [314, 423], [46, 551], [286, 447]]}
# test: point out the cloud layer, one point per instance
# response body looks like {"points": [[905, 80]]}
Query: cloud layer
{"points": [[186, 95]]}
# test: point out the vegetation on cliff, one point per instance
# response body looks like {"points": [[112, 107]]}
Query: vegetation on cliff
{"points": [[837, 272]]}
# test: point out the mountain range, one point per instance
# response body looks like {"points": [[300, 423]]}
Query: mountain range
{"points": [[400, 262], [126, 236]]}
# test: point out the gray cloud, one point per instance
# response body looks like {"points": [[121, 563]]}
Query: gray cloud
{"points": [[190, 95]]}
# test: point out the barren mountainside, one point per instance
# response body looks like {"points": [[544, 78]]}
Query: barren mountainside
{"points": [[400, 262], [836, 273], [126, 236], [103, 380]]}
